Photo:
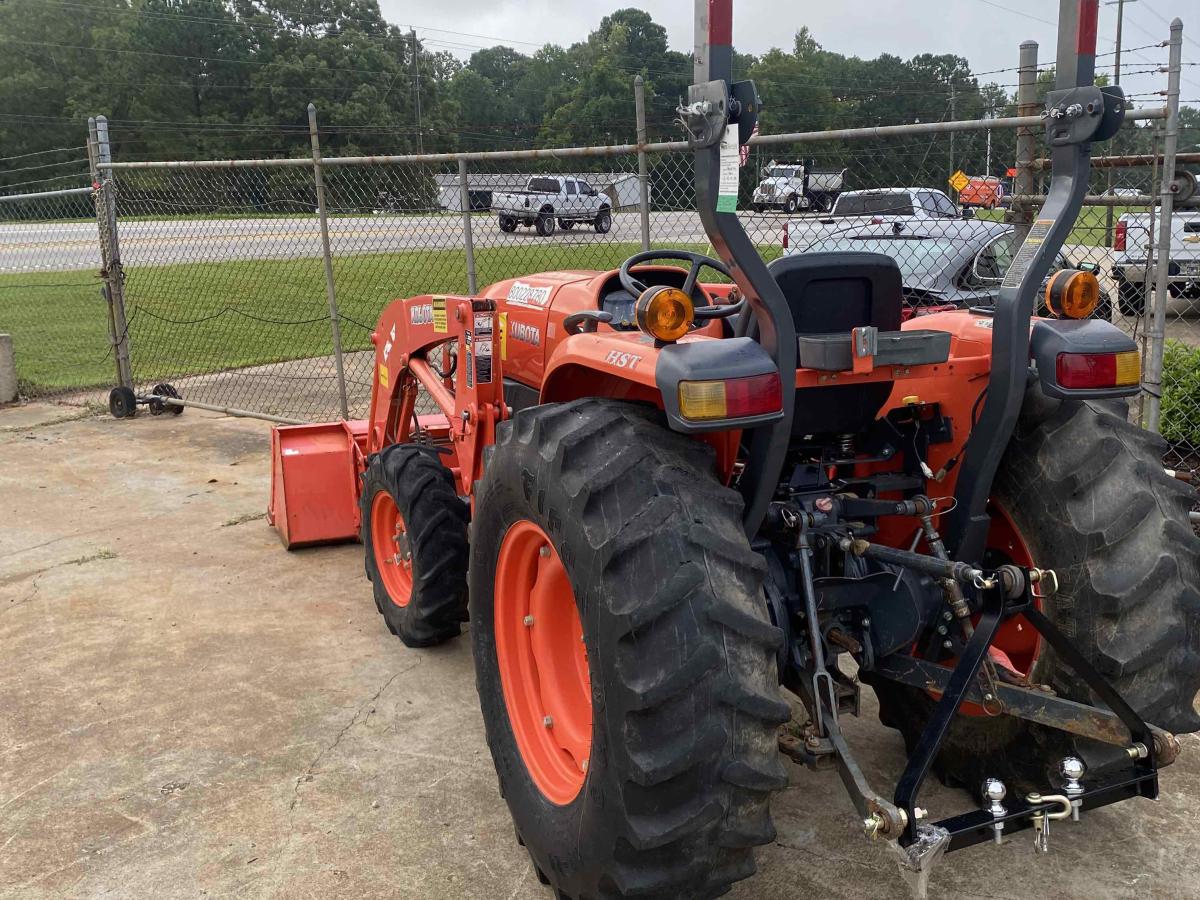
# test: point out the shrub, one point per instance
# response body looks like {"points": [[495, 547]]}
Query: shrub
{"points": [[1180, 421]]}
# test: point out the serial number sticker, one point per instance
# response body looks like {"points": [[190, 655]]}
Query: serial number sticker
{"points": [[469, 352], [1029, 249], [528, 295], [439, 315], [983, 323]]}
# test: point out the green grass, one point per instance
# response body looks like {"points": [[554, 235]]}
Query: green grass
{"points": [[1089, 230], [205, 317]]}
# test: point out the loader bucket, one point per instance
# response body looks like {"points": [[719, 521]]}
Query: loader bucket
{"points": [[314, 469]]}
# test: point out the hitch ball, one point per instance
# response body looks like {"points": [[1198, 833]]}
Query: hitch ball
{"points": [[994, 793]]}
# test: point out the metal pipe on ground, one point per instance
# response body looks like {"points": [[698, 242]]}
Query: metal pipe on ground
{"points": [[232, 411]]}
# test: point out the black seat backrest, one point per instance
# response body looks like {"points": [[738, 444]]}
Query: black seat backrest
{"points": [[834, 292]]}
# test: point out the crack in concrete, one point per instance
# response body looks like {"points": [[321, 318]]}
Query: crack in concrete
{"points": [[101, 554], [309, 772]]}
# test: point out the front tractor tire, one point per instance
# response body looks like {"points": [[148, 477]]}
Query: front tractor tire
{"points": [[624, 657], [1083, 492], [414, 531]]}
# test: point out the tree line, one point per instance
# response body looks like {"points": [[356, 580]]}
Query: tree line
{"points": [[184, 79]]}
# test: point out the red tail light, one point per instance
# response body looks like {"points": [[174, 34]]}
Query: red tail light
{"points": [[785, 237], [1078, 371], [732, 398], [1120, 235]]}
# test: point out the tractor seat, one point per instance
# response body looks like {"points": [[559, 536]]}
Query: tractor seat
{"points": [[829, 295], [832, 293]]}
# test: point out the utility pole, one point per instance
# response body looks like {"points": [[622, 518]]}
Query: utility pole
{"points": [[417, 90], [987, 169], [1108, 210], [953, 109]]}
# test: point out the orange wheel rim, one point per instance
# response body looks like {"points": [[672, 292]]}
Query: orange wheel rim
{"points": [[543, 662], [393, 552], [1015, 637]]}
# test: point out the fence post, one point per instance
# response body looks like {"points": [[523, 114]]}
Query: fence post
{"points": [[639, 104], [335, 326], [1152, 383], [110, 251], [1022, 216], [464, 194]]}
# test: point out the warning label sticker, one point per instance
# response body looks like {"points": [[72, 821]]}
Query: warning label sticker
{"points": [[1033, 243], [731, 164], [483, 360], [439, 315]]}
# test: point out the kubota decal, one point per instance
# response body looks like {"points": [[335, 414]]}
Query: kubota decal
{"points": [[527, 295], [623, 360], [421, 315], [526, 333]]}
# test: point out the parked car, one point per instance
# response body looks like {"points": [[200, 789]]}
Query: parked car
{"points": [[548, 199], [878, 206], [985, 191], [1133, 266], [796, 186], [947, 264]]}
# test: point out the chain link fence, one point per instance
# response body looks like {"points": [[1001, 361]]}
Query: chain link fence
{"points": [[50, 296], [228, 292]]}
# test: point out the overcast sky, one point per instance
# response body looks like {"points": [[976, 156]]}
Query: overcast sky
{"points": [[986, 33]]}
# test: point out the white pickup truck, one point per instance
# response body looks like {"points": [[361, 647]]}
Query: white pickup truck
{"points": [[796, 186], [877, 206], [547, 199], [1133, 266]]}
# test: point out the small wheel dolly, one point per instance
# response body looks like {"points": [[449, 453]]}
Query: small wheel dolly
{"points": [[123, 402]]}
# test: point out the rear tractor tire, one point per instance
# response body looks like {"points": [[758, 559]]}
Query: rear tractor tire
{"points": [[414, 531], [624, 657], [1085, 494]]}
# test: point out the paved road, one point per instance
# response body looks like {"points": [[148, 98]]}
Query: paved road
{"points": [[73, 245]]}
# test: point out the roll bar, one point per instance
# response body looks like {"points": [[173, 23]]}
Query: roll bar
{"points": [[720, 117], [1077, 114]]}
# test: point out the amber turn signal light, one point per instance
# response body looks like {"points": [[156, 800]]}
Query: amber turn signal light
{"points": [[665, 313], [1072, 293]]}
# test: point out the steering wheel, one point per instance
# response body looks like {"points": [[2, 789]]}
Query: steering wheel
{"points": [[698, 261]]}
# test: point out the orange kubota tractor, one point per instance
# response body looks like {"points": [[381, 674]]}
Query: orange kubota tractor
{"points": [[659, 499]]}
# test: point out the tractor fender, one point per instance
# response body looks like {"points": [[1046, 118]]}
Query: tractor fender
{"points": [[629, 366], [608, 364]]}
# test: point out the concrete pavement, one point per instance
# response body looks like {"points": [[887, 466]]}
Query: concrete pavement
{"points": [[189, 710]]}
